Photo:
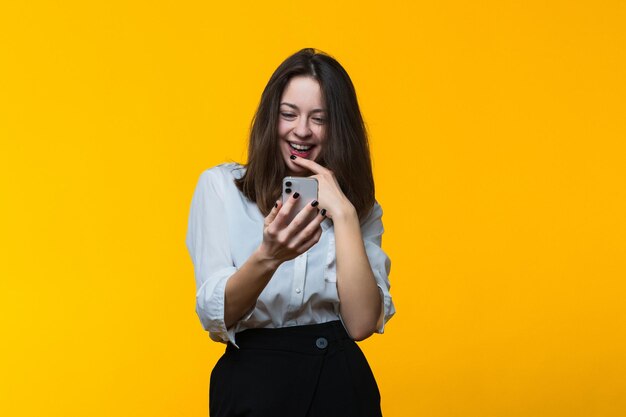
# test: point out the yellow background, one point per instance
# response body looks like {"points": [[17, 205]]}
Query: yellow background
{"points": [[497, 130]]}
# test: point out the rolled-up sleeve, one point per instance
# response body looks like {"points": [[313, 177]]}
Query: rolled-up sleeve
{"points": [[372, 232], [208, 244]]}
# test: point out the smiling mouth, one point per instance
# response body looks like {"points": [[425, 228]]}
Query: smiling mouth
{"points": [[300, 148]]}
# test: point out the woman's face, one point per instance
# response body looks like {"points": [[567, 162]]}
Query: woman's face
{"points": [[301, 122]]}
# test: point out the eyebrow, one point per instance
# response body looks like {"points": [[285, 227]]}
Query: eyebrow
{"points": [[293, 106]]}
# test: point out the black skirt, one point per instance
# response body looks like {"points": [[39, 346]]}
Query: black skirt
{"points": [[302, 371]]}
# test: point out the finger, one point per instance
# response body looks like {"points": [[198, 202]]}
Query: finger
{"points": [[308, 164], [312, 227], [308, 244], [303, 218], [270, 217], [314, 224], [282, 218]]}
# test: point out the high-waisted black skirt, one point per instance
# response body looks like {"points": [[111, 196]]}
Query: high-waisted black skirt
{"points": [[302, 371]]}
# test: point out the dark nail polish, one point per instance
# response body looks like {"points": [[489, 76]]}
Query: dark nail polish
{"points": [[275, 205], [292, 157], [315, 203], [323, 212], [296, 195]]}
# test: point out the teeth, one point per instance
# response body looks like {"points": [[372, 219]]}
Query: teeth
{"points": [[300, 147]]}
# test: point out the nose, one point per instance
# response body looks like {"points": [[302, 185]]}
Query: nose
{"points": [[302, 129]]}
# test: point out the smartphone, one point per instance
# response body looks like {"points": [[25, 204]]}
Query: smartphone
{"points": [[306, 187]]}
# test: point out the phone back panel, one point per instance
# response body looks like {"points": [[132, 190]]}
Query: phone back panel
{"points": [[306, 187]]}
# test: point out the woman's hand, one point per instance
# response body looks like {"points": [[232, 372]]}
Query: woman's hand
{"points": [[282, 240], [360, 304], [330, 195]]}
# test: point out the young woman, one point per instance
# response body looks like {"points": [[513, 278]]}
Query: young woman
{"points": [[290, 298]]}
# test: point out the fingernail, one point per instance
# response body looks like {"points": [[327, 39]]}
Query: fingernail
{"points": [[292, 157], [296, 195], [315, 203], [323, 212], [275, 205]]}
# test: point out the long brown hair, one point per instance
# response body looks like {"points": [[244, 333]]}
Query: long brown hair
{"points": [[345, 151]]}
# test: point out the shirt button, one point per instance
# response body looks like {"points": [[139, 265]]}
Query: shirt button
{"points": [[321, 343], [298, 290]]}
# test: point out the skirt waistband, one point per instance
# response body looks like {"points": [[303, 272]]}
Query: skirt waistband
{"points": [[311, 338]]}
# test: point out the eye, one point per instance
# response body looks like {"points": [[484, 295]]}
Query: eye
{"points": [[319, 120], [287, 115]]}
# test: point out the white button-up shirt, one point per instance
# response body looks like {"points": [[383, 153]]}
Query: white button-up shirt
{"points": [[224, 230]]}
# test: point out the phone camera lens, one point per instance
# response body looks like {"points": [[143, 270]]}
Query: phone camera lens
{"points": [[288, 190], [288, 183]]}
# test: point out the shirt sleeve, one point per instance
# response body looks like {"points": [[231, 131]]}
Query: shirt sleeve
{"points": [[372, 231], [208, 244]]}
